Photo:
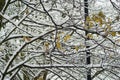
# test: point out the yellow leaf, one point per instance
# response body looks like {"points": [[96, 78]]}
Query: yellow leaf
{"points": [[113, 33], [58, 37], [108, 28], [58, 45], [76, 48], [27, 10], [40, 78], [67, 37], [60, 32], [88, 19], [94, 18], [46, 44], [22, 54], [97, 19], [101, 14], [90, 25], [90, 36], [26, 38], [100, 21]]}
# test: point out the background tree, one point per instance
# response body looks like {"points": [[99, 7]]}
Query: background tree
{"points": [[88, 56], [2, 3], [46, 39]]}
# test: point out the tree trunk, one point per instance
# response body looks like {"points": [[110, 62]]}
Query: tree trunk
{"points": [[88, 61]]}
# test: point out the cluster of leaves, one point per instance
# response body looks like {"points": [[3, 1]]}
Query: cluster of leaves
{"points": [[100, 23]]}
